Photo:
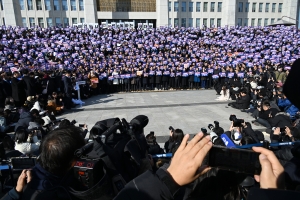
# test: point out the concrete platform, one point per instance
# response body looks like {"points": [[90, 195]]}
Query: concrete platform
{"points": [[187, 110]]}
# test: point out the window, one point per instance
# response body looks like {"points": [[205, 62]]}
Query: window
{"points": [[246, 22], [64, 5], [240, 9], [259, 22], [24, 22], [82, 20], [176, 22], [175, 6], [205, 7], [47, 5], [205, 22], [3, 21], [57, 21], [266, 21], [190, 22], [81, 6], [247, 7], [22, 6], [49, 22], [170, 6], [260, 7], [183, 22], [39, 5], [253, 22], [197, 22], [73, 5], [278, 19], [212, 22], [212, 7], [273, 7], [31, 22], [66, 22], [56, 5], [183, 6], [1, 5], [272, 20], [253, 7], [29, 5], [240, 21], [198, 5], [41, 22], [280, 7], [219, 21], [74, 21], [170, 22], [267, 7], [191, 6], [219, 6]]}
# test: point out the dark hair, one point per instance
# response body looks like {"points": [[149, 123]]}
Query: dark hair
{"points": [[35, 112], [177, 135], [21, 136], [58, 147], [266, 103], [8, 143], [65, 123], [247, 140]]}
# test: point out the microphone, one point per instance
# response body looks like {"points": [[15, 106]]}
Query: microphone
{"points": [[227, 141]]}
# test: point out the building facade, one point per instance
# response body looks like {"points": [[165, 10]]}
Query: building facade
{"points": [[181, 13]]}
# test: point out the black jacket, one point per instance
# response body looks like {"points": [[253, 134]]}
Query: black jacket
{"points": [[67, 86], [243, 102], [18, 89], [149, 186], [29, 86]]}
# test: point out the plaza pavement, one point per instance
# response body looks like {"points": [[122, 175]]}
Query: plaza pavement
{"points": [[187, 110]]}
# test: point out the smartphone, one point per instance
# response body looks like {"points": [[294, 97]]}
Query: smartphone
{"points": [[237, 160]]}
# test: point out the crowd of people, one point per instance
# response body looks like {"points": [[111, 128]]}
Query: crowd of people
{"points": [[40, 73]]}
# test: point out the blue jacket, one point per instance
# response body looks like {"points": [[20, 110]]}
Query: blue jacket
{"points": [[288, 107], [197, 79]]}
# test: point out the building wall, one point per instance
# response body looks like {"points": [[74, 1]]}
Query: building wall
{"points": [[225, 12]]}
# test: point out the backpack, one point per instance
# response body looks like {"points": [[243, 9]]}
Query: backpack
{"points": [[113, 159]]}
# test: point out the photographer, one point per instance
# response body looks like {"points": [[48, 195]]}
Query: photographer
{"points": [[288, 107], [27, 143], [174, 141], [266, 114], [242, 100], [185, 168], [286, 134], [154, 148]]}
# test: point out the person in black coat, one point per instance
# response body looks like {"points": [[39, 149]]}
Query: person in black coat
{"points": [[242, 101], [165, 78], [145, 77], [158, 78], [30, 83], [68, 90], [151, 78], [2, 94], [18, 89], [51, 84], [6, 85]]}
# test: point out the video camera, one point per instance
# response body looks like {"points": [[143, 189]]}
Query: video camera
{"points": [[114, 156], [236, 122]]}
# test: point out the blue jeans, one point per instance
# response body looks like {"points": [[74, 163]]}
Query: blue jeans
{"points": [[203, 83]]}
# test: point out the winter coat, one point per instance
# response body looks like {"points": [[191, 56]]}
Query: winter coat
{"points": [[27, 147]]}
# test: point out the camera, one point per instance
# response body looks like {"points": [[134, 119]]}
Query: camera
{"points": [[73, 122], [256, 104], [212, 127], [236, 122]]}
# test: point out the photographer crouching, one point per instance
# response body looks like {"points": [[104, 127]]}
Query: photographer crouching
{"points": [[242, 100], [241, 132]]}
